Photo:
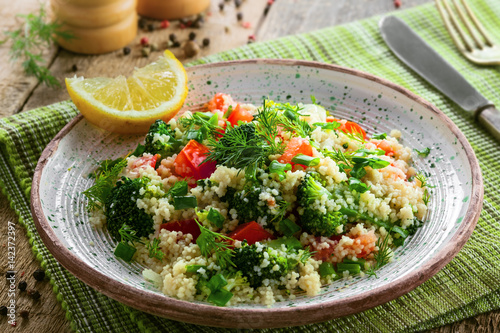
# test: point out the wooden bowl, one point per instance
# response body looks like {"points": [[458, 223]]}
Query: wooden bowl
{"points": [[59, 209]]}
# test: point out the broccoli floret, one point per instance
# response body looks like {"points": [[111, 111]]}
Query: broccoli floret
{"points": [[249, 207], [321, 224], [258, 262], [161, 139], [312, 220], [121, 208]]}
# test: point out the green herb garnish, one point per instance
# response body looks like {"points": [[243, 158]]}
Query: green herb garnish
{"points": [[154, 250], [214, 242]]}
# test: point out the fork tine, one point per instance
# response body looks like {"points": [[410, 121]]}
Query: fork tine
{"points": [[478, 24], [477, 39], [450, 24]]}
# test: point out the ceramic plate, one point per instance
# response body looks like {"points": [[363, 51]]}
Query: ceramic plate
{"points": [[378, 105]]}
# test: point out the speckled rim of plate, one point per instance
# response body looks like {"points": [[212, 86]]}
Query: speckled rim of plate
{"points": [[233, 317]]}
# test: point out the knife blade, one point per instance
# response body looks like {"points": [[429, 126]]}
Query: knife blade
{"points": [[410, 48]]}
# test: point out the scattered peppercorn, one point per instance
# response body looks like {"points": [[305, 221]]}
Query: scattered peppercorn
{"points": [[145, 51], [176, 44], [266, 10], [144, 41], [24, 314], [74, 68], [192, 35], [270, 2], [169, 44], [126, 50], [183, 21], [151, 27], [206, 42], [251, 37], [3, 310], [35, 294], [22, 285], [172, 37], [154, 47], [246, 25], [39, 275], [221, 6], [237, 3], [397, 3], [164, 24], [182, 26], [239, 16], [141, 23], [191, 49], [10, 274]]}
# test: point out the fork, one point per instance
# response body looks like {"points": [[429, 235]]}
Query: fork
{"points": [[468, 33]]}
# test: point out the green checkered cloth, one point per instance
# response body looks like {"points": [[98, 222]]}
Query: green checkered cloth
{"points": [[468, 286]]}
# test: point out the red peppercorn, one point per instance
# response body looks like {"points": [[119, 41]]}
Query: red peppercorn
{"points": [[182, 26], [144, 41], [251, 37], [246, 25], [164, 24], [397, 3], [270, 2]]}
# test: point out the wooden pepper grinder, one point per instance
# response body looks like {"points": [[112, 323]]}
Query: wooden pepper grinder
{"points": [[171, 9], [98, 26]]}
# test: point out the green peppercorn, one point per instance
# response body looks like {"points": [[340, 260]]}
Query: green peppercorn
{"points": [[39, 275], [22, 285], [146, 51]]}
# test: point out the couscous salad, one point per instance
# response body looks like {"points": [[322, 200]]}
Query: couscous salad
{"points": [[247, 204]]}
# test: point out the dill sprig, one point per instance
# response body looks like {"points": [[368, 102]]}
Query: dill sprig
{"points": [[99, 193], [154, 250], [35, 35], [210, 241], [382, 256], [129, 235]]}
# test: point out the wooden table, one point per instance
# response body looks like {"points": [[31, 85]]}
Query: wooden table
{"points": [[19, 93]]}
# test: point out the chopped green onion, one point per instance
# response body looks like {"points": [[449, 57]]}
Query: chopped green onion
{"points": [[279, 169], [193, 134], [387, 225], [290, 115], [185, 202], [228, 112], [291, 243], [220, 297], [179, 189], [194, 268], [204, 115], [217, 282], [215, 217], [288, 227], [379, 136], [306, 160], [353, 269], [360, 262], [326, 269], [424, 152], [125, 251], [214, 120]]}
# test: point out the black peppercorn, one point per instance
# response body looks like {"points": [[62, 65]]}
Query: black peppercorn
{"points": [[192, 35], [151, 27], [126, 50], [74, 68], [176, 44], [239, 16], [24, 314], [266, 10], [39, 275], [221, 6], [172, 38], [206, 41], [237, 3], [10, 274], [22, 285], [35, 294], [3, 310], [141, 23]]}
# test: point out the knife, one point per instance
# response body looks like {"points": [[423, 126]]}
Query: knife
{"points": [[419, 56]]}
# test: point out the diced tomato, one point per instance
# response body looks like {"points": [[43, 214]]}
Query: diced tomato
{"points": [[185, 226], [294, 147], [252, 232], [385, 146], [367, 241], [145, 161], [352, 127], [221, 102], [322, 252], [238, 114], [188, 162]]}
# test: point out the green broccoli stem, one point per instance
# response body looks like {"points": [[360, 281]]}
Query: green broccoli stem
{"points": [[386, 224]]}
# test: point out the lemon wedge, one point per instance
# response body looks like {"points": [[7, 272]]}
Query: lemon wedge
{"points": [[130, 105]]}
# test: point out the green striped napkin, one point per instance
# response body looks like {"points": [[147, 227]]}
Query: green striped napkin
{"points": [[469, 285]]}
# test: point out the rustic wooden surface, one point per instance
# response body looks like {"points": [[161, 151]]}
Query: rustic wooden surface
{"points": [[19, 93]]}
